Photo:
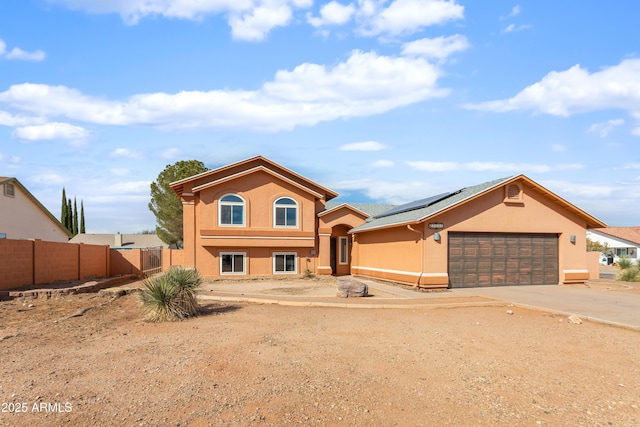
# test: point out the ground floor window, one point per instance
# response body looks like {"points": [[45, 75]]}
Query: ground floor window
{"points": [[285, 263], [343, 250], [626, 252], [232, 263]]}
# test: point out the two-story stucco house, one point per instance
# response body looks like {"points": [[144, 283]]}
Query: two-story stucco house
{"points": [[22, 216], [259, 218]]}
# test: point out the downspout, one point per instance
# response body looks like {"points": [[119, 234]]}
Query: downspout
{"points": [[421, 233]]}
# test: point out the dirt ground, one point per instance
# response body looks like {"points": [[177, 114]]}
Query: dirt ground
{"points": [[250, 364]]}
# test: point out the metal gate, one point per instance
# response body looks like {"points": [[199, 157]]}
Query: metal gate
{"points": [[151, 259]]}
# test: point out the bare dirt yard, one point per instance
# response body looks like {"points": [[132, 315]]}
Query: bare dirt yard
{"points": [[251, 364]]}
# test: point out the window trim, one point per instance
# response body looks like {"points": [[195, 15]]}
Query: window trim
{"points": [[222, 203], [244, 263], [343, 254], [296, 206], [285, 254]]}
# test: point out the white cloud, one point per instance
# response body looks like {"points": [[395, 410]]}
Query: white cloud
{"points": [[253, 25], [363, 146], [515, 11], [558, 148], [363, 85], [49, 179], [579, 190], [383, 164], [426, 166], [438, 48], [563, 93], [125, 153], [249, 19], [405, 16], [332, 13], [170, 153], [388, 192], [49, 131], [7, 119], [604, 129], [17, 53], [512, 28], [120, 171]]}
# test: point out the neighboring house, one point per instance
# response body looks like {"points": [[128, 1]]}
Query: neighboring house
{"points": [[22, 216], [121, 241], [258, 218], [621, 241]]}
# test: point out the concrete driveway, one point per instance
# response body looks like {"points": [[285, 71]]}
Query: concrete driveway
{"points": [[611, 307]]}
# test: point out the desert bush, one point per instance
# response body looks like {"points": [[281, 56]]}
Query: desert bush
{"points": [[629, 272], [171, 296]]}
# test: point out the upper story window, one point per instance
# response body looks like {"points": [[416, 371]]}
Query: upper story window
{"points": [[231, 210], [286, 212]]}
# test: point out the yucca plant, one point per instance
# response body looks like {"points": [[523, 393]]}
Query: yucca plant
{"points": [[171, 296], [187, 282], [624, 263]]}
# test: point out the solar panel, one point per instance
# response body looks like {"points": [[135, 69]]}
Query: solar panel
{"points": [[418, 204]]}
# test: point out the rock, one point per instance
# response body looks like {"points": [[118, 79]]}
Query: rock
{"points": [[348, 288], [510, 312], [574, 319]]}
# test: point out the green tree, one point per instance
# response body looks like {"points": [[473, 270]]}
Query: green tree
{"points": [[69, 220], [82, 228], [63, 210], [75, 217], [594, 246], [165, 203]]}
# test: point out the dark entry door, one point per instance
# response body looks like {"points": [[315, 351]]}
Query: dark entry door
{"points": [[332, 255], [495, 259]]}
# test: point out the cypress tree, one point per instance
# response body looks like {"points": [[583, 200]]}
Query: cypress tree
{"points": [[69, 219], [82, 230], [75, 217], [63, 210]]}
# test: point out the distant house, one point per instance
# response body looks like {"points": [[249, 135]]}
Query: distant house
{"points": [[22, 216], [256, 217], [121, 241], [622, 242]]}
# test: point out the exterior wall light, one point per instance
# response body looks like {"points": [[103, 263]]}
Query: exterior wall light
{"points": [[436, 236], [572, 239]]}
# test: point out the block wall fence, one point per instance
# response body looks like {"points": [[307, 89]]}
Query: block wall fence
{"points": [[38, 262]]}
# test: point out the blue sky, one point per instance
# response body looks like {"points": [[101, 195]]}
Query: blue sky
{"points": [[380, 100]]}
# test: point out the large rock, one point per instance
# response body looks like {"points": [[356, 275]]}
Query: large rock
{"points": [[348, 288]]}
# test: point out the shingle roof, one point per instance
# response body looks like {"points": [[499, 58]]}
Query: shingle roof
{"points": [[371, 209], [630, 234], [420, 213]]}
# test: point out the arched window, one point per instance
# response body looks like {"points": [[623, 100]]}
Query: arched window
{"points": [[285, 212], [231, 210]]}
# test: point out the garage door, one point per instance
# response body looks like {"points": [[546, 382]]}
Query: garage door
{"points": [[495, 259]]}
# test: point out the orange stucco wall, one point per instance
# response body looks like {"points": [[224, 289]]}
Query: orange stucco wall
{"points": [[259, 238], [400, 253]]}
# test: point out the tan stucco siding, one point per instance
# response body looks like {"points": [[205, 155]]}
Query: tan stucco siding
{"points": [[22, 219], [396, 250], [259, 191], [393, 254], [258, 261]]}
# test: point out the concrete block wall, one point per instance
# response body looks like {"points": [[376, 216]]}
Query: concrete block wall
{"points": [[94, 261], [16, 263], [55, 262]]}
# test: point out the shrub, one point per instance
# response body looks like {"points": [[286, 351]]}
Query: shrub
{"points": [[629, 275], [171, 296], [624, 263]]}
